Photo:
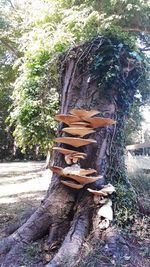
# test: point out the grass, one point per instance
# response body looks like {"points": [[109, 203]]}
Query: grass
{"points": [[141, 183], [138, 171]]}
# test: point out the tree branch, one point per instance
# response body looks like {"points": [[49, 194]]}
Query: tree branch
{"points": [[145, 49], [10, 47], [10, 2], [137, 29]]}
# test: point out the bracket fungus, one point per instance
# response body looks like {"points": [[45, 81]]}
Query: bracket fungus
{"points": [[81, 131], [57, 170], [108, 189], [77, 174], [84, 179], [72, 185], [80, 124], [99, 122], [73, 158], [74, 169], [97, 192], [87, 171], [106, 210], [67, 119], [105, 191], [84, 113], [76, 142], [69, 151], [68, 159]]}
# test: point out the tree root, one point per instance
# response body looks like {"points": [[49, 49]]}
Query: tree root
{"points": [[54, 214], [34, 228], [57, 205], [116, 245], [13, 257], [69, 252], [11, 228], [6, 244]]}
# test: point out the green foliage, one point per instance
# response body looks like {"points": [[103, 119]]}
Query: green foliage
{"points": [[133, 125], [5, 134], [119, 68], [36, 33], [125, 205], [31, 251], [33, 113]]}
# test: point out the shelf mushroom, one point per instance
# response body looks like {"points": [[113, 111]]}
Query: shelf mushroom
{"points": [[100, 194], [108, 189], [105, 191], [81, 131], [79, 175], [74, 169], [68, 151], [67, 119], [99, 122], [97, 193], [84, 113], [105, 214], [84, 179], [71, 156], [80, 124], [72, 185], [76, 142]]}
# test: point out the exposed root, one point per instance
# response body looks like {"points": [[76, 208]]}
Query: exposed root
{"points": [[69, 251], [58, 230], [61, 215], [57, 205], [13, 257], [116, 245], [11, 228], [6, 244], [34, 228]]}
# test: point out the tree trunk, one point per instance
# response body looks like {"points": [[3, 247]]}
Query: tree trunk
{"points": [[66, 214]]}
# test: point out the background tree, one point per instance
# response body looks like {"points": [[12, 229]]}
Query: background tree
{"points": [[8, 55]]}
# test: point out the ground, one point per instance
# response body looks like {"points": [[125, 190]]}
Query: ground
{"points": [[22, 187]]}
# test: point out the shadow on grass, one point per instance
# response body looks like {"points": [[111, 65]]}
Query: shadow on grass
{"points": [[14, 206], [17, 178]]}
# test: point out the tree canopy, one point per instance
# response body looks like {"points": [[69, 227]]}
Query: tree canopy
{"points": [[35, 36]]}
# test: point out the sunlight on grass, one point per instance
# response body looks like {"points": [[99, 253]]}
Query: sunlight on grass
{"points": [[18, 178], [138, 168]]}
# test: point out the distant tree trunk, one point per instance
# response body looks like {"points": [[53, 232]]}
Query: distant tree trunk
{"points": [[69, 215], [49, 159]]}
